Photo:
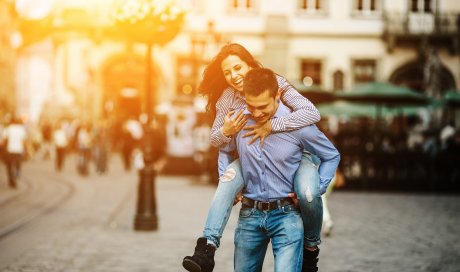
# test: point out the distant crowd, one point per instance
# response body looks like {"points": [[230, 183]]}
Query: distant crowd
{"points": [[91, 143]]}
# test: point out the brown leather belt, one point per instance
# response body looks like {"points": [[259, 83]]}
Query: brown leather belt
{"points": [[266, 206]]}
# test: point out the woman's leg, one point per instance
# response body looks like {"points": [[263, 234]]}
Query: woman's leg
{"points": [[306, 185], [327, 219], [230, 184]]}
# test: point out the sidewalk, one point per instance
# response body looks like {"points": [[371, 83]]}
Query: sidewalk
{"points": [[93, 231]]}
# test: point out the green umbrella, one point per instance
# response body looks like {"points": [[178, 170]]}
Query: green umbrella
{"points": [[452, 98], [347, 109], [403, 101], [384, 94], [353, 109]]}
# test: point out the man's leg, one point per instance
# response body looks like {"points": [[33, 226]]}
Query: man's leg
{"points": [[285, 228], [230, 184], [251, 241]]}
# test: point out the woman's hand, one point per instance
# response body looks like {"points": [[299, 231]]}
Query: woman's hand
{"points": [[233, 125], [294, 199], [259, 131], [238, 198]]}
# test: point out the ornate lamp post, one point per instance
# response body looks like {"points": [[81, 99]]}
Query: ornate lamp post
{"points": [[153, 22]]}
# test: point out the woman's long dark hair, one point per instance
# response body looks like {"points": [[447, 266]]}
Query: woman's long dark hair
{"points": [[213, 83]]}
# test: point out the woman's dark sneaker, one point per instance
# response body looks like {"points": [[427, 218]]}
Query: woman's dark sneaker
{"points": [[310, 260]]}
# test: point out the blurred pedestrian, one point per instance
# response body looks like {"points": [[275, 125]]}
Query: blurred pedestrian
{"points": [[60, 144], [2, 144], [447, 133], [100, 147], [201, 146], [132, 136], [84, 142], [337, 182], [47, 140], [15, 137]]}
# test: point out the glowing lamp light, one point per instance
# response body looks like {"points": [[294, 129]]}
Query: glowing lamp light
{"points": [[156, 21], [307, 81]]}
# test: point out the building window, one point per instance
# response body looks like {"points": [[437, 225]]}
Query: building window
{"points": [[314, 5], [421, 6], [338, 80], [367, 7], [364, 70], [241, 5], [311, 71]]}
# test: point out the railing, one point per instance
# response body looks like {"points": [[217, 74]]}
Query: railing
{"points": [[422, 23]]}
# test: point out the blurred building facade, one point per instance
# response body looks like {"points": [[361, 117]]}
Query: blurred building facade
{"points": [[7, 57], [72, 60]]}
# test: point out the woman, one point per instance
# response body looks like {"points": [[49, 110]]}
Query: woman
{"points": [[223, 85]]}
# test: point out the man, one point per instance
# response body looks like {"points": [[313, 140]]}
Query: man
{"points": [[15, 136], [267, 213]]}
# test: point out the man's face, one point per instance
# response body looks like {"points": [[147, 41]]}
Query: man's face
{"points": [[234, 70], [263, 106]]}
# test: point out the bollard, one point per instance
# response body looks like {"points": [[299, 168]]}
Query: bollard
{"points": [[146, 216], [146, 213]]}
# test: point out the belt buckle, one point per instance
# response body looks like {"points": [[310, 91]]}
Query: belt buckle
{"points": [[261, 206]]}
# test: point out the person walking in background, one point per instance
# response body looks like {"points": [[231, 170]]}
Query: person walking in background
{"points": [[337, 182], [84, 141], [47, 140], [132, 136], [15, 137], [2, 144], [101, 147], [201, 144], [60, 143], [223, 85]]}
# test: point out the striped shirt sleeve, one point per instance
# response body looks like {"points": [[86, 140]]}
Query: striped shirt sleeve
{"points": [[223, 106], [304, 113]]}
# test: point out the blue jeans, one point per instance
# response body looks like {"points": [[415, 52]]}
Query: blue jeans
{"points": [[306, 186], [256, 228]]}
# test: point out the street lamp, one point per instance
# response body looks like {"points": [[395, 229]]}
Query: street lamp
{"points": [[153, 22]]}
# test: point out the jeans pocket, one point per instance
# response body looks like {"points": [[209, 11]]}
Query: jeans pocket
{"points": [[246, 212]]}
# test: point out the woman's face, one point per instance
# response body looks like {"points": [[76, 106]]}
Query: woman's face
{"points": [[234, 70]]}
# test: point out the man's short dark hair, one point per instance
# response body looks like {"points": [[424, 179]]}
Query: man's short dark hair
{"points": [[258, 80]]}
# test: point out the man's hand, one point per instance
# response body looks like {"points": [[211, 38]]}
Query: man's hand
{"points": [[238, 198], [258, 131], [294, 199], [233, 125]]}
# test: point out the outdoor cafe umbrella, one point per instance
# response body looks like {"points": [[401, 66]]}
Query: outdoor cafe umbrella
{"points": [[353, 110], [383, 95], [452, 99]]}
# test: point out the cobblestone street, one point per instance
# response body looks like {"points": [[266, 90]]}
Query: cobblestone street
{"points": [[93, 229]]}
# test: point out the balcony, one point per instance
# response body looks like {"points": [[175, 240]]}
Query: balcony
{"points": [[415, 29]]}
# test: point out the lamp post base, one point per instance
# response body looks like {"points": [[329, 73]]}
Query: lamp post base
{"points": [[146, 216]]}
